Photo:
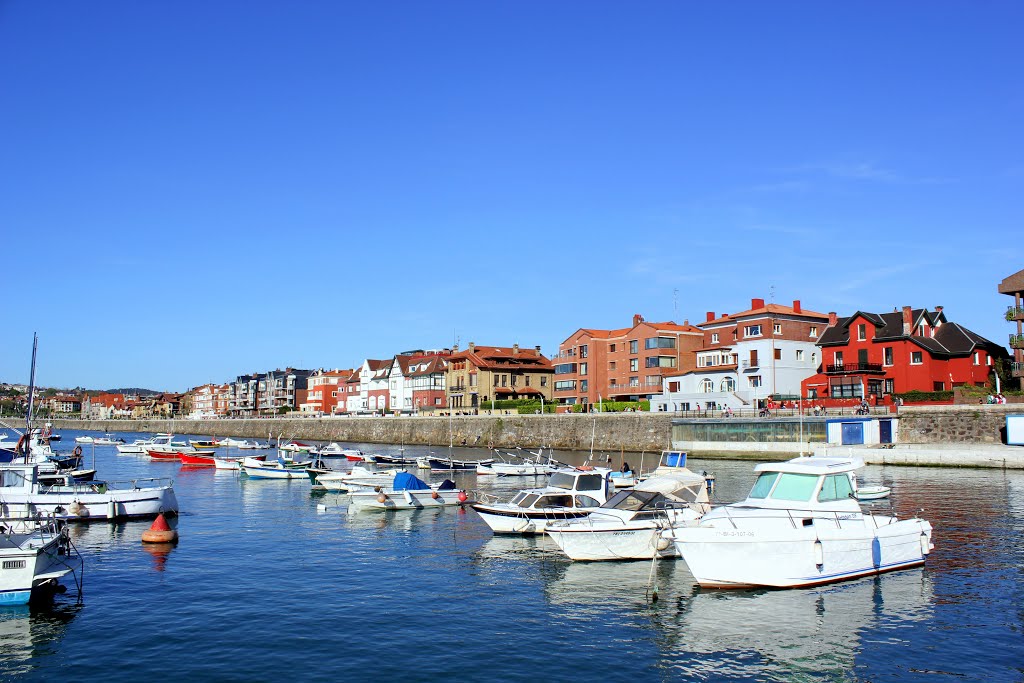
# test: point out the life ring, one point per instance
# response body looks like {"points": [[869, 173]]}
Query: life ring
{"points": [[585, 468], [23, 447], [78, 450]]}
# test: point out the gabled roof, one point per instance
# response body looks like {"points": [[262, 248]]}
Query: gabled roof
{"points": [[949, 338], [426, 365], [767, 309], [504, 358]]}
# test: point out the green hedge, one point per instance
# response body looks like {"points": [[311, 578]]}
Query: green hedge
{"points": [[925, 396], [613, 406]]}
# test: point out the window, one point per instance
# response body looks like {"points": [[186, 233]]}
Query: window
{"points": [[887, 355], [797, 487], [565, 385], [634, 346], [583, 368], [814, 331], [862, 332], [889, 386], [611, 348], [437, 401], [714, 338], [728, 384], [634, 381], [611, 365], [976, 358], [673, 386], [660, 343], [527, 380], [565, 368], [583, 350], [916, 357], [504, 380], [707, 386], [543, 380], [778, 354], [839, 358], [836, 487], [938, 386], [755, 381], [753, 358], [800, 354], [752, 331], [660, 362], [763, 485], [584, 384], [777, 328], [634, 364]]}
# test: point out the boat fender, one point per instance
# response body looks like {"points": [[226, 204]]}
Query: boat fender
{"points": [[434, 495], [926, 547], [463, 497], [408, 497], [663, 544], [819, 555], [78, 450], [381, 497], [76, 508]]}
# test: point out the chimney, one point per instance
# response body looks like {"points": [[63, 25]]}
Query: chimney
{"points": [[832, 318], [938, 309], [796, 306], [637, 319], [515, 349], [537, 348], [472, 347], [455, 348], [686, 322], [908, 320], [757, 303], [711, 316]]}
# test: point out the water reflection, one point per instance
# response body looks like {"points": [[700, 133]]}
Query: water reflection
{"points": [[30, 631], [160, 553], [812, 632]]}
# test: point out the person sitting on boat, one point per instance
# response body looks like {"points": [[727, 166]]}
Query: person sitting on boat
{"points": [[626, 469]]}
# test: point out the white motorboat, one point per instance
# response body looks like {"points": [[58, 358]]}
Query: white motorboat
{"points": [[278, 469], [22, 495], [106, 440], [629, 526], [569, 494], [295, 447], [35, 554], [253, 446], [357, 478], [407, 492], [139, 446], [336, 450], [518, 465], [85, 439], [800, 526], [872, 492], [233, 443]]}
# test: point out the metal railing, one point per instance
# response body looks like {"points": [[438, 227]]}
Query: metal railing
{"points": [[853, 367], [1014, 312]]}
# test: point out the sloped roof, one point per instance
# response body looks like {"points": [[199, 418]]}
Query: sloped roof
{"points": [[767, 309], [504, 357], [1012, 284], [949, 339]]}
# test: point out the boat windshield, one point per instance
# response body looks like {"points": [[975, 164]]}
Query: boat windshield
{"points": [[558, 500], [562, 480], [836, 487], [763, 485], [691, 493], [528, 500], [795, 487], [630, 500]]}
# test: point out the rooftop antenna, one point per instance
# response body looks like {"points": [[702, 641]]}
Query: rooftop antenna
{"points": [[771, 294], [675, 304]]}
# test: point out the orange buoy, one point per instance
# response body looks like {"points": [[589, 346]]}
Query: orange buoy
{"points": [[160, 532], [435, 495], [463, 497]]}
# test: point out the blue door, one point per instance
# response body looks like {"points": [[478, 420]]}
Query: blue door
{"points": [[853, 433], [885, 431]]}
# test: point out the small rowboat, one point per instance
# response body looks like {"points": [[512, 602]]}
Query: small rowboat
{"points": [[203, 445], [164, 455], [872, 492], [197, 459]]}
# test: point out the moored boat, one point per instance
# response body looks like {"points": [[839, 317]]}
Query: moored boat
{"points": [[36, 554], [570, 493], [200, 459], [408, 492], [800, 525]]}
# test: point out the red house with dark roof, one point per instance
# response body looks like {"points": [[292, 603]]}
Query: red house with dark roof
{"points": [[875, 355]]}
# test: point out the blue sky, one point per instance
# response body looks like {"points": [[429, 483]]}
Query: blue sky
{"points": [[191, 191]]}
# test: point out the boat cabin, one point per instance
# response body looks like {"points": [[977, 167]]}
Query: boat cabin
{"points": [[568, 488], [806, 483]]}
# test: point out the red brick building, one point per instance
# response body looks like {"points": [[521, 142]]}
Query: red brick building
{"points": [[872, 356], [1014, 286], [627, 364], [324, 391]]}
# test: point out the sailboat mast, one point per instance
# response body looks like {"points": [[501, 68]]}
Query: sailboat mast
{"points": [[31, 384]]}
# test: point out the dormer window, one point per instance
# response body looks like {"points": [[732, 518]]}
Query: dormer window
{"points": [[862, 332]]}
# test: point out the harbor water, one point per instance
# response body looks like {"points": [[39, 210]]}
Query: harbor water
{"points": [[271, 581]]}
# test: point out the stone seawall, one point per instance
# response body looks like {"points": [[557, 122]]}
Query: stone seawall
{"points": [[980, 424], [611, 431]]}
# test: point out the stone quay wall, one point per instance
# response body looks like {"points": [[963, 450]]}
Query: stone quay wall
{"points": [[632, 432], [979, 424], [611, 432]]}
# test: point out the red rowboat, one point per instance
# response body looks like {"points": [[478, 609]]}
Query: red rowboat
{"points": [[163, 455], [197, 459]]}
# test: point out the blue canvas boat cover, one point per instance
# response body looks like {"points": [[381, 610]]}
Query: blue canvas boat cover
{"points": [[408, 482]]}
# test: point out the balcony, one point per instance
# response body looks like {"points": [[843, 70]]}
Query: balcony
{"points": [[1014, 313], [1017, 341], [1017, 369], [850, 368]]}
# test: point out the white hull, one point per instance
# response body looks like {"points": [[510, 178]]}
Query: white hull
{"points": [[83, 504], [808, 556], [638, 541], [403, 500], [508, 519], [275, 472], [33, 561], [130, 449]]}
